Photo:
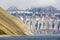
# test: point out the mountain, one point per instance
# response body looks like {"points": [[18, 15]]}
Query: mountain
{"points": [[43, 9], [33, 16], [37, 11]]}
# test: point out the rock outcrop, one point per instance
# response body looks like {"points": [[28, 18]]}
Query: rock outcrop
{"points": [[10, 25]]}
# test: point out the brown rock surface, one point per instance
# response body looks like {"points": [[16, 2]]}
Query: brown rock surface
{"points": [[11, 25]]}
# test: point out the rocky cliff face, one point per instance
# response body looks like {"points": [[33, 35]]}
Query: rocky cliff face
{"points": [[11, 25]]}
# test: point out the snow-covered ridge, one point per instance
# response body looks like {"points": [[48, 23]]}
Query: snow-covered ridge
{"points": [[39, 19]]}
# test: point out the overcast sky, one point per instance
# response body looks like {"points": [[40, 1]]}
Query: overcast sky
{"points": [[23, 4]]}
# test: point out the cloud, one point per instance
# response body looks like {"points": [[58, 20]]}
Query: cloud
{"points": [[42, 2], [26, 3]]}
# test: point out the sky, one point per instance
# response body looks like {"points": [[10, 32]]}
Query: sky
{"points": [[24, 4]]}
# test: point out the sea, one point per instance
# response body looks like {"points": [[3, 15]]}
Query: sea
{"points": [[31, 38]]}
